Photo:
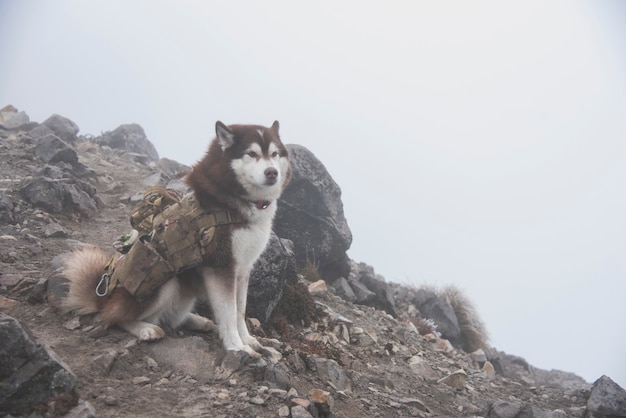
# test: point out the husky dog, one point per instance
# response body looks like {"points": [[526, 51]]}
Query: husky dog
{"points": [[244, 172]]}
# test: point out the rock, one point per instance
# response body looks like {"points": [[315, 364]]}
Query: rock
{"points": [[455, 380], [30, 373], [489, 370], [505, 409], [322, 402], [330, 371], [274, 269], [172, 168], [364, 296], [56, 196], [83, 410], [7, 304], [132, 139], [433, 307], [318, 288], [343, 290], [310, 213], [7, 216], [62, 127], [10, 118], [607, 399], [383, 298], [52, 150], [421, 368], [283, 411], [103, 363], [299, 411], [54, 230]]}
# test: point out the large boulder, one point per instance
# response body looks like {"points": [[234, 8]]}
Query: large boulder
{"points": [[607, 399], [52, 149], [30, 373], [276, 267], [11, 118], [62, 127], [310, 213], [132, 139]]}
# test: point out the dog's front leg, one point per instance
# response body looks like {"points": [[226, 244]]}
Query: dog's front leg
{"points": [[242, 300], [222, 295]]}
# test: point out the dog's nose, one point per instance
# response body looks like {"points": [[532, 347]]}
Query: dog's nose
{"points": [[271, 174]]}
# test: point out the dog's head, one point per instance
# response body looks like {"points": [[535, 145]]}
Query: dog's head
{"points": [[257, 157]]}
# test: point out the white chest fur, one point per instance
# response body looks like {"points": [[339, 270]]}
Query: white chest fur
{"points": [[249, 242]]}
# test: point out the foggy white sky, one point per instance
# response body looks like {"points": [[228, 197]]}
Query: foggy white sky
{"points": [[481, 144]]}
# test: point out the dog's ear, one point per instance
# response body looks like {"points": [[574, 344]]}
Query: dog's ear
{"points": [[275, 126], [224, 136]]}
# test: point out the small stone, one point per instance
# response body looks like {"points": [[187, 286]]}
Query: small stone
{"points": [[6, 303], [97, 331], [110, 400], [322, 400], [300, 412], [54, 230], [305, 403], [318, 288], [8, 238], [283, 411], [104, 362], [257, 400], [414, 402], [455, 380], [479, 356], [152, 364], [72, 324], [140, 380], [489, 370]]}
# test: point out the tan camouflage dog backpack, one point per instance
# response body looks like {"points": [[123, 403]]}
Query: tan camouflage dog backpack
{"points": [[170, 234]]}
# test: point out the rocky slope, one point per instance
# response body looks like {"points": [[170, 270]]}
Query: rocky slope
{"points": [[330, 354]]}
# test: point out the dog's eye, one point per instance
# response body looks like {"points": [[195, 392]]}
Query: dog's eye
{"points": [[275, 154], [252, 154]]}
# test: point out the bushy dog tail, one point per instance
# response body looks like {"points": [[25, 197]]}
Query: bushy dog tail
{"points": [[473, 330], [83, 269]]}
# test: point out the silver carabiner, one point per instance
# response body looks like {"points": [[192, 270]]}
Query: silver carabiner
{"points": [[106, 278]]}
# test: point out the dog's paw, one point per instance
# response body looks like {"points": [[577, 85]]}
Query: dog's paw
{"points": [[253, 343], [199, 323], [251, 352], [151, 333]]}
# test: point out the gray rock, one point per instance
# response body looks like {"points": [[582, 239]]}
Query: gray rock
{"points": [[383, 298], [62, 128], [130, 138], [275, 267], [433, 307], [55, 196], [299, 411], [343, 289], [607, 399], [30, 373], [83, 410], [310, 213], [45, 193], [14, 120], [6, 209], [172, 168], [54, 230], [363, 295], [330, 371], [53, 149]]}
